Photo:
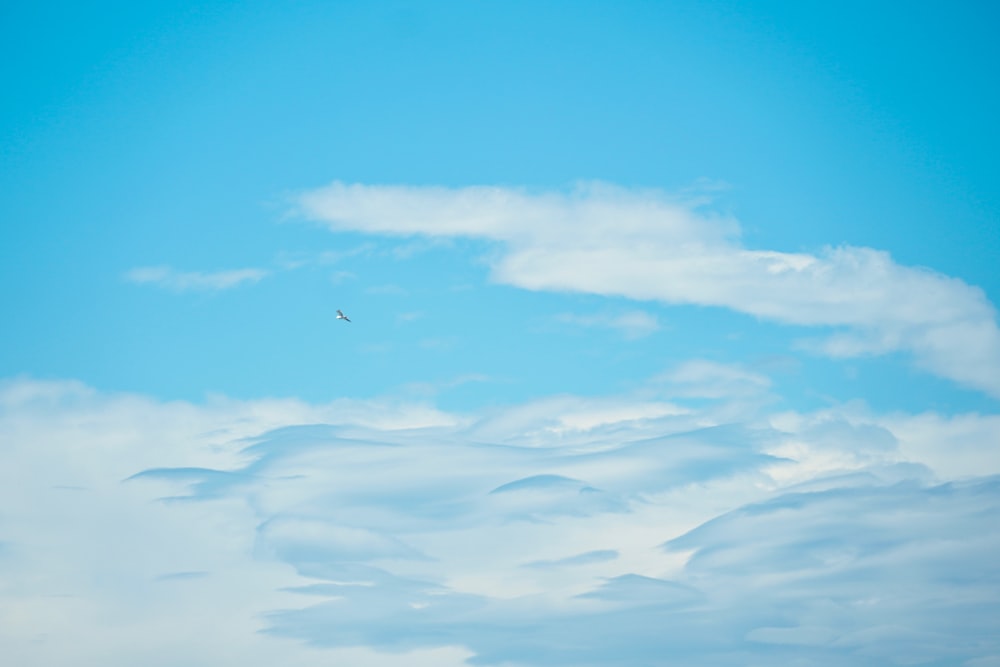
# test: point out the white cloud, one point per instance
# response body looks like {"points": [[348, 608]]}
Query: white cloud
{"points": [[183, 281], [642, 244], [973, 442], [851, 436], [88, 562], [386, 532]]}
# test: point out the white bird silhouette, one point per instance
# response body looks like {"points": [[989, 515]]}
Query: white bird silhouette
{"points": [[341, 316]]}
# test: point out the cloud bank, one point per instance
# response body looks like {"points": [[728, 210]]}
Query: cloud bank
{"points": [[644, 245], [690, 524]]}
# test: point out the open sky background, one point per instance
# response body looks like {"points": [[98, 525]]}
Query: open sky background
{"points": [[674, 335]]}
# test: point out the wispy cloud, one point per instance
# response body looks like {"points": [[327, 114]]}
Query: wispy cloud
{"points": [[386, 290], [290, 261], [632, 325], [341, 277], [710, 379], [643, 244], [409, 316], [434, 388], [183, 281]]}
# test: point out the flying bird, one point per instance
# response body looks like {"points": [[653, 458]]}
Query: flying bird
{"points": [[341, 316]]}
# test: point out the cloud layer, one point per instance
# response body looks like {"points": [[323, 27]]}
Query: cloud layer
{"points": [[644, 245], [689, 524]]}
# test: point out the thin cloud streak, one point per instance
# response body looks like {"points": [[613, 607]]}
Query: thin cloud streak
{"points": [[197, 281], [632, 325], [645, 245]]}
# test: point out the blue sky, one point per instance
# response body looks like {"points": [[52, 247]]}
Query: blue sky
{"points": [[646, 298]]}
